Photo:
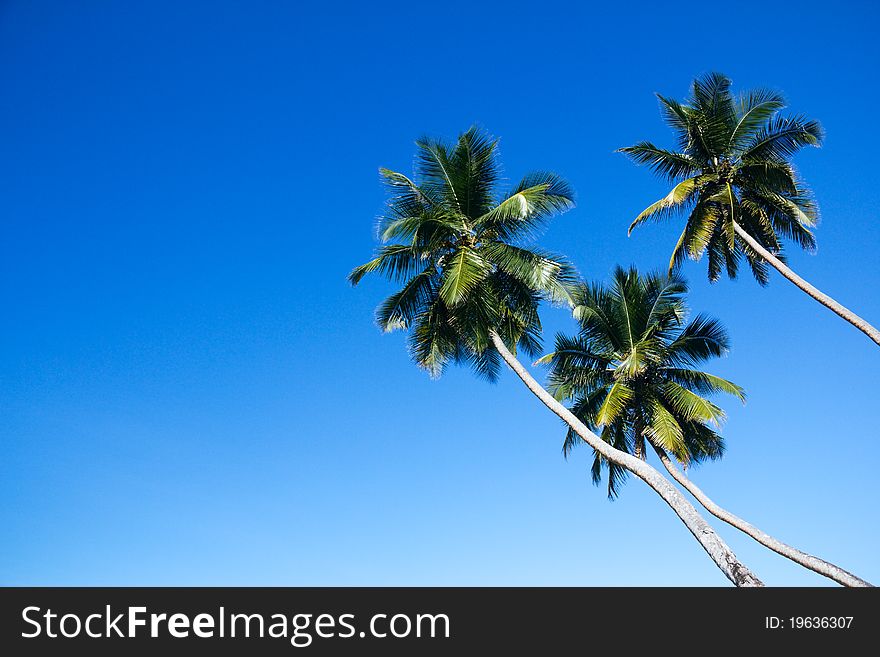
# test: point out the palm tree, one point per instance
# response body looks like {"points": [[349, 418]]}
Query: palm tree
{"points": [[457, 250], [471, 288], [735, 184], [631, 376]]}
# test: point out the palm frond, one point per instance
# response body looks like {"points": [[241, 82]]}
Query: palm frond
{"points": [[690, 406], [675, 199], [485, 363], [714, 118], [574, 368], [664, 163], [717, 254], [395, 261], [667, 306], [678, 117], [570, 441], [406, 192], [433, 342], [759, 226], [544, 272], [537, 197], [422, 230], [797, 208], [664, 430], [794, 230], [701, 442], [781, 138], [703, 338], [462, 274], [754, 110], [618, 438], [770, 175], [594, 309], [614, 404], [400, 309], [474, 171], [435, 168], [696, 236], [703, 382]]}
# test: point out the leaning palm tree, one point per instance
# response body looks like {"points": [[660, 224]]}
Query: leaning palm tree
{"points": [[735, 184], [631, 374], [458, 251], [471, 288]]}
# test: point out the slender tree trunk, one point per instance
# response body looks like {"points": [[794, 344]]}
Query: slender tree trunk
{"points": [[819, 296], [815, 564], [716, 548]]}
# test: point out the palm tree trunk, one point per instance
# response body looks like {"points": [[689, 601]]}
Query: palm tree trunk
{"points": [[716, 548], [815, 564], [818, 295]]}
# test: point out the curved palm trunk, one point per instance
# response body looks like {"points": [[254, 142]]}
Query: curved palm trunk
{"points": [[716, 548], [815, 564], [819, 296]]}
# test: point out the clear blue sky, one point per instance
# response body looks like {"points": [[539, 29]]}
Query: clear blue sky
{"points": [[191, 393]]}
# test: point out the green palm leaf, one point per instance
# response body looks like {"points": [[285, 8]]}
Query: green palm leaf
{"points": [[665, 163], [755, 109], [536, 198], [614, 404], [703, 382], [664, 430], [396, 261], [781, 138], [703, 338], [678, 196], [689, 405], [547, 273], [465, 270], [400, 309]]}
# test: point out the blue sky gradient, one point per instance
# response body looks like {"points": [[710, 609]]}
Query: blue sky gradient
{"points": [[191, 393]]}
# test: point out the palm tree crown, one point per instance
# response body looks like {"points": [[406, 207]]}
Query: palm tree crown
{"points": [[732, 165], [457, 247], [630, 371]]}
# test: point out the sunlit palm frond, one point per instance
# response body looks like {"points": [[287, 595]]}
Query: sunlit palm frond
{"points": [[677, 199], [464, 271], [664, 430], [703, 382], [690, 406], [544, 272], [526, 209], [615, 403]]}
